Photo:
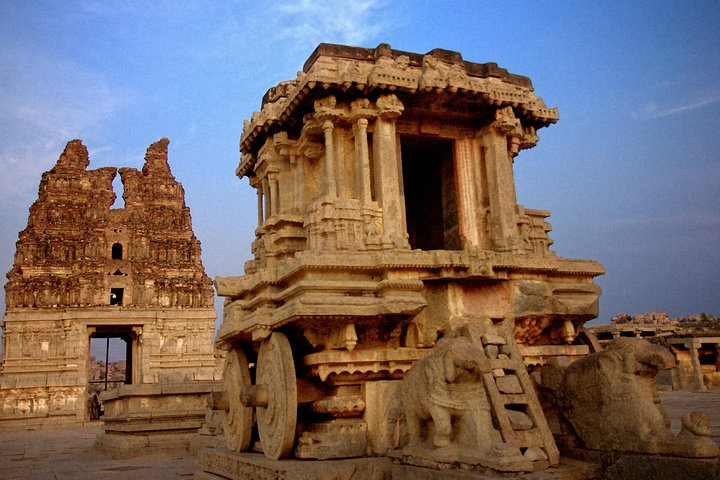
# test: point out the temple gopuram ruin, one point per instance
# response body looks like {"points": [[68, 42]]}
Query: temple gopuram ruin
{"points": [[398, 292], [83, 271]]}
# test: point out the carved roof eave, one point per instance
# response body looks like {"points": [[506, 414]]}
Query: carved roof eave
{"points": [[555, 266], [500, 90], [483, 264]]}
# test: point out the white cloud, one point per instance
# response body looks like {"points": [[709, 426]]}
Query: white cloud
{"points": [[44, 102], [653, 110], [309, 22], [681, 220]]}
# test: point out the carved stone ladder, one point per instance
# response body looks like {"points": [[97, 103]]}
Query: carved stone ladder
{"points": [[513, 400]]}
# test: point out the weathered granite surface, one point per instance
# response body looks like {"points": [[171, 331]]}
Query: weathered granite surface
{"points": [[388, 226], [608, 402], [86, 270]]}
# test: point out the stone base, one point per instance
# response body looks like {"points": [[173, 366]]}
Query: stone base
{"points": [[638, 466], [441, 458], [51, 422], [221, 464], [339, 439], [27, 407], [153, 419], [655, 467], [201, 441], [118, 446]]}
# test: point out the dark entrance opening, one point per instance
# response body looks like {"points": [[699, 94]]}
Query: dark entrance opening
{"points": [[117, 251], [116, 296], [429, 184]]}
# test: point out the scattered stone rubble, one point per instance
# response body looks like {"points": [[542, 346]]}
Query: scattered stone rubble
{"points": [[648, 318]]}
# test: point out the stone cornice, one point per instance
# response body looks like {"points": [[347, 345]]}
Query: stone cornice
{"points": [[335, 68]]}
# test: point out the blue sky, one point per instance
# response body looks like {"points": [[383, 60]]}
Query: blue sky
{"points": [[631, 172]]}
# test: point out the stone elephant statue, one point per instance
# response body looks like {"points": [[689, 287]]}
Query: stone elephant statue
{"points": [[443, 398], [610, 401]]}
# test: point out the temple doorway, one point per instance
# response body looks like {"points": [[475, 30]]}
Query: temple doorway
{"points": [[429, 186], [111, 357]]}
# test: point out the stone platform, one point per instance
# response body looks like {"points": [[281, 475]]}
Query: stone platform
{"points": [[220, 464], [68, 454], [153, 418]]}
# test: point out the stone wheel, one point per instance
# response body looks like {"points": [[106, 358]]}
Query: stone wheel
{"points": [[239, 420], [277, 421]]}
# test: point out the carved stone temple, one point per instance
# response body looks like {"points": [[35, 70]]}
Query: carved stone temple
{"points": [[84, 270], [390, 244]]}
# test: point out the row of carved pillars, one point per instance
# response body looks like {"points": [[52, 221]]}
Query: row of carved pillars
{"points": [[489, 199]]}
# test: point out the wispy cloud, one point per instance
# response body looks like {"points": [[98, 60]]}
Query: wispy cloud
{"points": [[44, 102], [683, 220], [653, 110], [309, 22]]}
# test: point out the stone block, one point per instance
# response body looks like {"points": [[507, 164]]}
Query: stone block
{"points": [[31, 380], [64, 380], [188, 388], [519, 420], [336, 439], [378, 403], [508, 384], [535, 454], [491, 351], [493, 339]]}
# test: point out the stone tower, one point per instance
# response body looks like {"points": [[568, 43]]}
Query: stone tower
{"points": [[85, 270]]}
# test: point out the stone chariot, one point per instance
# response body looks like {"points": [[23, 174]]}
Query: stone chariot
{"points": [[387, 220]]}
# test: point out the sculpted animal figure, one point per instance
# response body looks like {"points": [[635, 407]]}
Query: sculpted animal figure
{"points": [[445, 390], [610, 400]]}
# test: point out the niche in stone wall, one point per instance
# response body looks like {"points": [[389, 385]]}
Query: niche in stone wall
{"points": [[116, 296], [117, 251]]}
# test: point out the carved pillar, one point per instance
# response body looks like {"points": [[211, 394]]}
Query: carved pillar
{"points": [[330, 182], [466, 157], [362, 159], [257, 185], [385, 153], [288, 155], [136, 354], [260, 213], [693, 345], [299, 181], [266, 197], [500, 189], [274, 193]]}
